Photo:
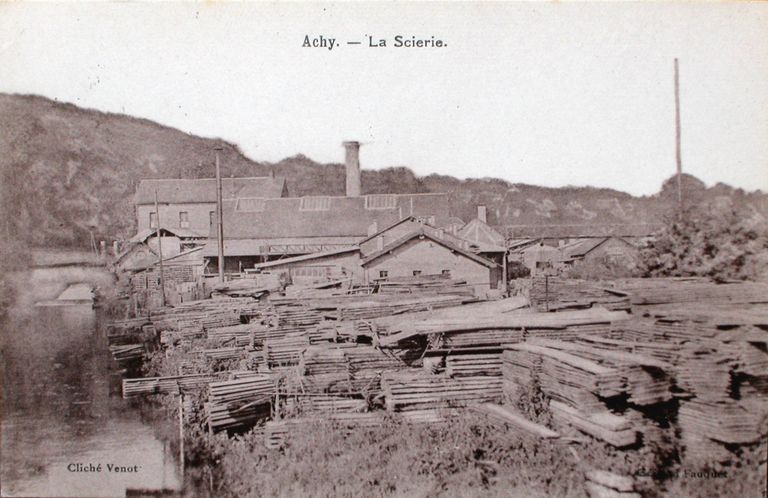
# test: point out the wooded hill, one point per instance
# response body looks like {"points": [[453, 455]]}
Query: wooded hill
{"points": [[68, 171]]}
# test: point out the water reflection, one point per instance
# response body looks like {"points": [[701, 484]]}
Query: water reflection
{"points": [[62, 407]]}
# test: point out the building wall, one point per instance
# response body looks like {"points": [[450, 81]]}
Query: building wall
{"points": [[614, 250], [199, 215], [431, 258]]}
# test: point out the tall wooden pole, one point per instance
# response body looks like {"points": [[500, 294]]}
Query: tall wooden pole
{"points": [[678, 153], [220, 217], [159, 249]]}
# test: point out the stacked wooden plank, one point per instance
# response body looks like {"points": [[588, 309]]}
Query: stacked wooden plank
{"points": [[222, 354], [557, 294], [239, 403], [127, 352], [515, 324], [164, 385], [285, 350], [614, 429], [232, 332], [473, 365], [361, 311], [325, 404], [413, 391], [602, 483], [277, 431], [666, 291], [433, 284]]}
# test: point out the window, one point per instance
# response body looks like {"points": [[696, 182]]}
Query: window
{"points": [[212, 218], [416, 273], [380, 201], [251, 204], [183, 219], [383, 274], [152, 219], [447, 273], [315, 204]]}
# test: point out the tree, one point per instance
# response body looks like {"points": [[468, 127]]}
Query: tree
{"points": [[715, 239]]}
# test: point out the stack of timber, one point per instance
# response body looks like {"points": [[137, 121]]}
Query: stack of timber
{"points": [[414, 391], [130, 331], [277, 431], [345, 367], [324, 404], [433, 284], [556, 294], [377, 308], [505, 328], [164, 385], [473, 365], [285, 350], [239, 403], [246, 287], [127, 352], [602, 483], [644, 292], [232, 333]]}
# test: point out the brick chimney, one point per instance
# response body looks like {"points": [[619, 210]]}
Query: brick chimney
{"points": [[352, 161], [482, 213]]}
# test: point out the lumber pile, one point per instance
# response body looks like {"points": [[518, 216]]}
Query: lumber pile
{"points": [[231, 333], [413, 391], [164, 385], [665, 291], [239, 403], [127, 352], [285, 350], [557, 294], [473, 365], [433, 284], [604, 484]]}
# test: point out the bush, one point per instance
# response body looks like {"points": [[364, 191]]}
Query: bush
{"points": [[714, 240]]}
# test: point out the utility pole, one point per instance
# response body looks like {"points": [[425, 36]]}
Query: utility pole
{"points": [[219, 216], [677, 143], [159, 249]]}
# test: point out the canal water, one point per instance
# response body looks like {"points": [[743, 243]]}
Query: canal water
{"points": [[66, 431]]}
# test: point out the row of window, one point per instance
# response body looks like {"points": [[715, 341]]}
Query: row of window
{"points": [[416, 273], [183, 219]]}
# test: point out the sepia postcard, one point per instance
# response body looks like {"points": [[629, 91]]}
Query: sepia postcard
{"points": [[395, 249]]}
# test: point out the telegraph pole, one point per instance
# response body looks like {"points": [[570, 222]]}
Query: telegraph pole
{"points": [[678, 154], [159, 248], [219, 216]]}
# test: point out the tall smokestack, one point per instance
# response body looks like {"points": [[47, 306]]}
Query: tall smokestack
{"points": [[482, 213], [352, 161]]}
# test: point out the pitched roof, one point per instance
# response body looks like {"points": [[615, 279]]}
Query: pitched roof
{"points": [[585, 247], [423, 234], [203, 190], [306, 257], [482, 237], [325, 216], [182, 233], [576, 231]]}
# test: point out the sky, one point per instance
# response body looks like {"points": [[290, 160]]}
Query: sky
{"points": [[545, 93]]}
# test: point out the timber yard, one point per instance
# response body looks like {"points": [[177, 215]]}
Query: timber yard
{"points": [[252, 314]]}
